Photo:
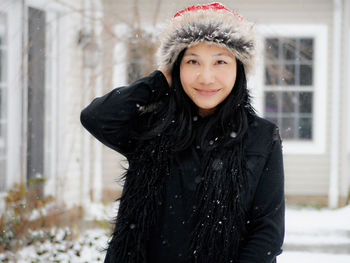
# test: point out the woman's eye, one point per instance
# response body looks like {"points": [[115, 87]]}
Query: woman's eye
{"points": [[192, 61], [220, 62]]}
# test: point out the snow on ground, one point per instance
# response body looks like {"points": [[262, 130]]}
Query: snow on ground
{"points": [[316, 235], [311, 226], [307, 257], [312, 218], [312, 235]]}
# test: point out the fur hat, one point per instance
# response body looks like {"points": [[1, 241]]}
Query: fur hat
{"points": [[212, 23]]}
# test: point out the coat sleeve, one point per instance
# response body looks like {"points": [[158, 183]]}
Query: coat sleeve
{"points": [[266, 220], [112, 117]]}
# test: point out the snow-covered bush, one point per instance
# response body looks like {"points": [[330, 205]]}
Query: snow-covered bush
{"points": [[29, 217]]}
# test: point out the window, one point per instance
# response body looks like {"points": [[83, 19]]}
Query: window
{"points": [[36, 93], [46, 47], [141, 50], [3, 112], [290, 84]]}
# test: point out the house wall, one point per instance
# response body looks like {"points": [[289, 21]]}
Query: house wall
{"points": [[112, 170], [345, 109], [307, 175], [13, 14], [64, 87], [114, 75], [71, 94]]}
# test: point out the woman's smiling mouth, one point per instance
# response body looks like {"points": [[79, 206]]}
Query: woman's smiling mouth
{"points": [[205, 92]]}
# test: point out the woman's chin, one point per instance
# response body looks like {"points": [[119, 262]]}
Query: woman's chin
{"points": [[205, 111]]}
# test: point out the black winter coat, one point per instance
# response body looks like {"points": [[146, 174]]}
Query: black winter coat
{"points": [[111, 117]]}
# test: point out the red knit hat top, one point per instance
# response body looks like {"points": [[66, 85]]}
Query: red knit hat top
{"points": [[216, 6]]}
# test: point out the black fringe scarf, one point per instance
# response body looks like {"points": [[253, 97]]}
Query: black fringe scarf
{"points": [[220, 228]]}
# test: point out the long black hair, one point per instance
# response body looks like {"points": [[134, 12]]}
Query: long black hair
{"points": [[176, 114]]}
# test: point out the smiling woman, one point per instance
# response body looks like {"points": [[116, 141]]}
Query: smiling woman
{"points": [[208, 74], [205, 179]]}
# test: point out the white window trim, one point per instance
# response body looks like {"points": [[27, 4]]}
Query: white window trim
{"points": [[50, 5], [16, 79], [319, 32], [54, 42], [13, 12], [51, 85]]}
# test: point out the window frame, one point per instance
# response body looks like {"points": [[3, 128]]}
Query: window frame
{"points": [[55, 42], [317, 145], [15, 12]]}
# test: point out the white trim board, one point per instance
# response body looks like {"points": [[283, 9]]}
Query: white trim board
{"points": [[319, 32], [51, 5], [13, 13]]}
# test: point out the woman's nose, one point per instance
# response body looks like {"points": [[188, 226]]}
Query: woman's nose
{"points": [[206, 75]]}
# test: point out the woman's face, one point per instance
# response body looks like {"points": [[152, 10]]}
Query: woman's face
{"points": [[208, 74]]}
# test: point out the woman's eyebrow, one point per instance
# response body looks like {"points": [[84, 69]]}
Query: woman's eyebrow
{"points": [[222, 54], [191, 54], [215, 55]]}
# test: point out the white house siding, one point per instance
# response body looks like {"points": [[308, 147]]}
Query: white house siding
{"points": [[114, 75], [112, 171], [13, 13], [307, 175], [344, 150], [69, 153]]}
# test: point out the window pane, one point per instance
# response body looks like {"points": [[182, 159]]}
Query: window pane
{"points": [[288, 128], [288, 102], [271, 49], [134, 67], [305, 128], [141, 50], [271, 102], [306, 49], [305, 74], [272, 74], [36, 92], [288, 48], [288, 75], [289, 62], [305, 102]]}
